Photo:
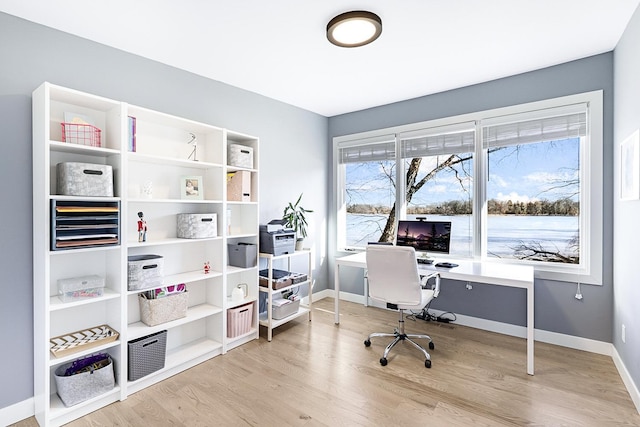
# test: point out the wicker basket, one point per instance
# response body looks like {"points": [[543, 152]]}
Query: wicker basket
{"points": [[156, 311]]}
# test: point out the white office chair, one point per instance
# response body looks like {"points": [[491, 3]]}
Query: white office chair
{"points": [[394, 279]]}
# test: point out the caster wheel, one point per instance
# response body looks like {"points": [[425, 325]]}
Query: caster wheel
{"points": [[383, 361], [367, 343], [427, 363], [431, 345]]}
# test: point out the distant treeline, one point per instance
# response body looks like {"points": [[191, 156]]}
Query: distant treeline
{"points": [[495, 207]]}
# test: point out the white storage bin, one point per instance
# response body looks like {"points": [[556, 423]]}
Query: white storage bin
{"points": [[84, 179], [197, 226], [284, 308], [240, 156], [144, 271], [78, 288]]}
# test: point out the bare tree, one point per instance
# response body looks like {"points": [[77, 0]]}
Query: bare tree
{"points": [[413, 185]]}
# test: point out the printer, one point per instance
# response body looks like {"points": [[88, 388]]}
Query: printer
{"points": [[277, 240]]}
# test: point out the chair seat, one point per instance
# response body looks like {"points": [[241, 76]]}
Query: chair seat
{"points": [[426, 297]]}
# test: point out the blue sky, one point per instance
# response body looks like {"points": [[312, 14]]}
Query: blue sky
{"points": [[518, 175]]}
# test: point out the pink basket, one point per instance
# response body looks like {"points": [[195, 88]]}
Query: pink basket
{"points": [[239, 320], [75, 133]]}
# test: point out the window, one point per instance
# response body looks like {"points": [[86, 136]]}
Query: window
{"points": [[368, 191], [438, 179], [533, 186], [520, 184]]}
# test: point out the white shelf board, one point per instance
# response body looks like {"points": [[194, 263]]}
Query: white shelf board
{"points": [[275, 323], [55, 303], [168, 241], [67, 147], [53, 361], [164, 161], [265, 289], [139, 329]]}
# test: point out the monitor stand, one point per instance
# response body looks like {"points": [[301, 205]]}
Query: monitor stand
{"points": [[424, 258]]}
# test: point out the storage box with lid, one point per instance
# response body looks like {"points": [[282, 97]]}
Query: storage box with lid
{"points": [[284, 308], [239, 186], [79, 288], [146, 355], [74, 389], [197, 226], [240, 156], [84, 179], [144, 271], [162, 310], [243, 255], [239, 320]]}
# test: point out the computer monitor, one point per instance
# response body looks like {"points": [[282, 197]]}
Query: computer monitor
{"points": [[425, 236]]}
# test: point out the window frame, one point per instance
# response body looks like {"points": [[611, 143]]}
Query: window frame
{"points": [[591, 178]]}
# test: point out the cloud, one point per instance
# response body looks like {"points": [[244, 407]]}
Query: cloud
{"points": [[498, 181], [515, 197]]}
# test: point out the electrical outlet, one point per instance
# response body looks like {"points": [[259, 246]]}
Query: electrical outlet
{"points": [[624, 333]]}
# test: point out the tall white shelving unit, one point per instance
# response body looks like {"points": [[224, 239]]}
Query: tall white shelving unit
{"points": [[163, 157]]}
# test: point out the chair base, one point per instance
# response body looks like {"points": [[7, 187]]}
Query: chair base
{"points": [[400, 335]]}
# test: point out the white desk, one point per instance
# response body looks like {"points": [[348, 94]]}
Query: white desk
{"points": [[516, 276]]}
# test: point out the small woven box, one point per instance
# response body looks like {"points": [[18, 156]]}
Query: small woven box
{"points": [[146, 355]]}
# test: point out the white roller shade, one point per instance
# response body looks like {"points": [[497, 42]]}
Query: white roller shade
{"points": [[442, 140], [543, 125], [367, 150]]}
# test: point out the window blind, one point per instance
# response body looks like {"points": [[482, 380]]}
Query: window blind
{"points": [[367, 150], [442, 140], [544, 125]]}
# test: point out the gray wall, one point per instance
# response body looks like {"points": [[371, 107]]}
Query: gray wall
{"points": [[293, 156], [626, 277], [556, 309]]}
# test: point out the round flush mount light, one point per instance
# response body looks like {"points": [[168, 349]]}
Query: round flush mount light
{"points": [[354, 29]]}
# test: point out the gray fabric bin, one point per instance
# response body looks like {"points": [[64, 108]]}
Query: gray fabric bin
{"points": [[146, 355], [144, 272], [80, 387], [84, 179], [243, 255]]}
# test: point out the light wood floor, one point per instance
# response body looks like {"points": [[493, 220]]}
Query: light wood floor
{"points": [[321, 374]]}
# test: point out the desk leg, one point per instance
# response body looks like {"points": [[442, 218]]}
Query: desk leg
{"points": [[530, 330], [336, 285]]}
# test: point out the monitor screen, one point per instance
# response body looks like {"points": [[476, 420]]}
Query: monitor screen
{"points": [[425, 236]]}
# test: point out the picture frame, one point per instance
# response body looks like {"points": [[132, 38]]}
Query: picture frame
{"points": [[191, 187], [630, 167]]}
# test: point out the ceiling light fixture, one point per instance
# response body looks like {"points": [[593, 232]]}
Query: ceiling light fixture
{"points": [[353, 29]]}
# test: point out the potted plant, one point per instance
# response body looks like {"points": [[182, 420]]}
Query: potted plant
{"points": [[295, 218]]}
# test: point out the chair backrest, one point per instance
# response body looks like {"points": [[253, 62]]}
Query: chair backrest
{"points": [[392, 272]]}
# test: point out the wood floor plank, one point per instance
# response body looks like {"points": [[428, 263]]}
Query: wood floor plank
{"points": [[321, 374]]}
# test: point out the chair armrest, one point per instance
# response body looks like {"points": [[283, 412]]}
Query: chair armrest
{"points": [[436, 288]]}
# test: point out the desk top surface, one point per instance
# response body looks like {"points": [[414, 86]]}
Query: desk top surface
{"points": [[496, 273]]}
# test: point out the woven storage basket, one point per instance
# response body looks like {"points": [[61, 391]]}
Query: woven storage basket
{"points": [[146, 355], [156, 311], [80, 387]]}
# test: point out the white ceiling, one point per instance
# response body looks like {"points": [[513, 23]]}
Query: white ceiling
{"points": [[278, 48]]}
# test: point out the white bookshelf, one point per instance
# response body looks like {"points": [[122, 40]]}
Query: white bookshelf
{"points": [[162, 156]]}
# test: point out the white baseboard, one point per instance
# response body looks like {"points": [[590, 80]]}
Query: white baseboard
{"points": [[17, 412], [626, 379]]}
